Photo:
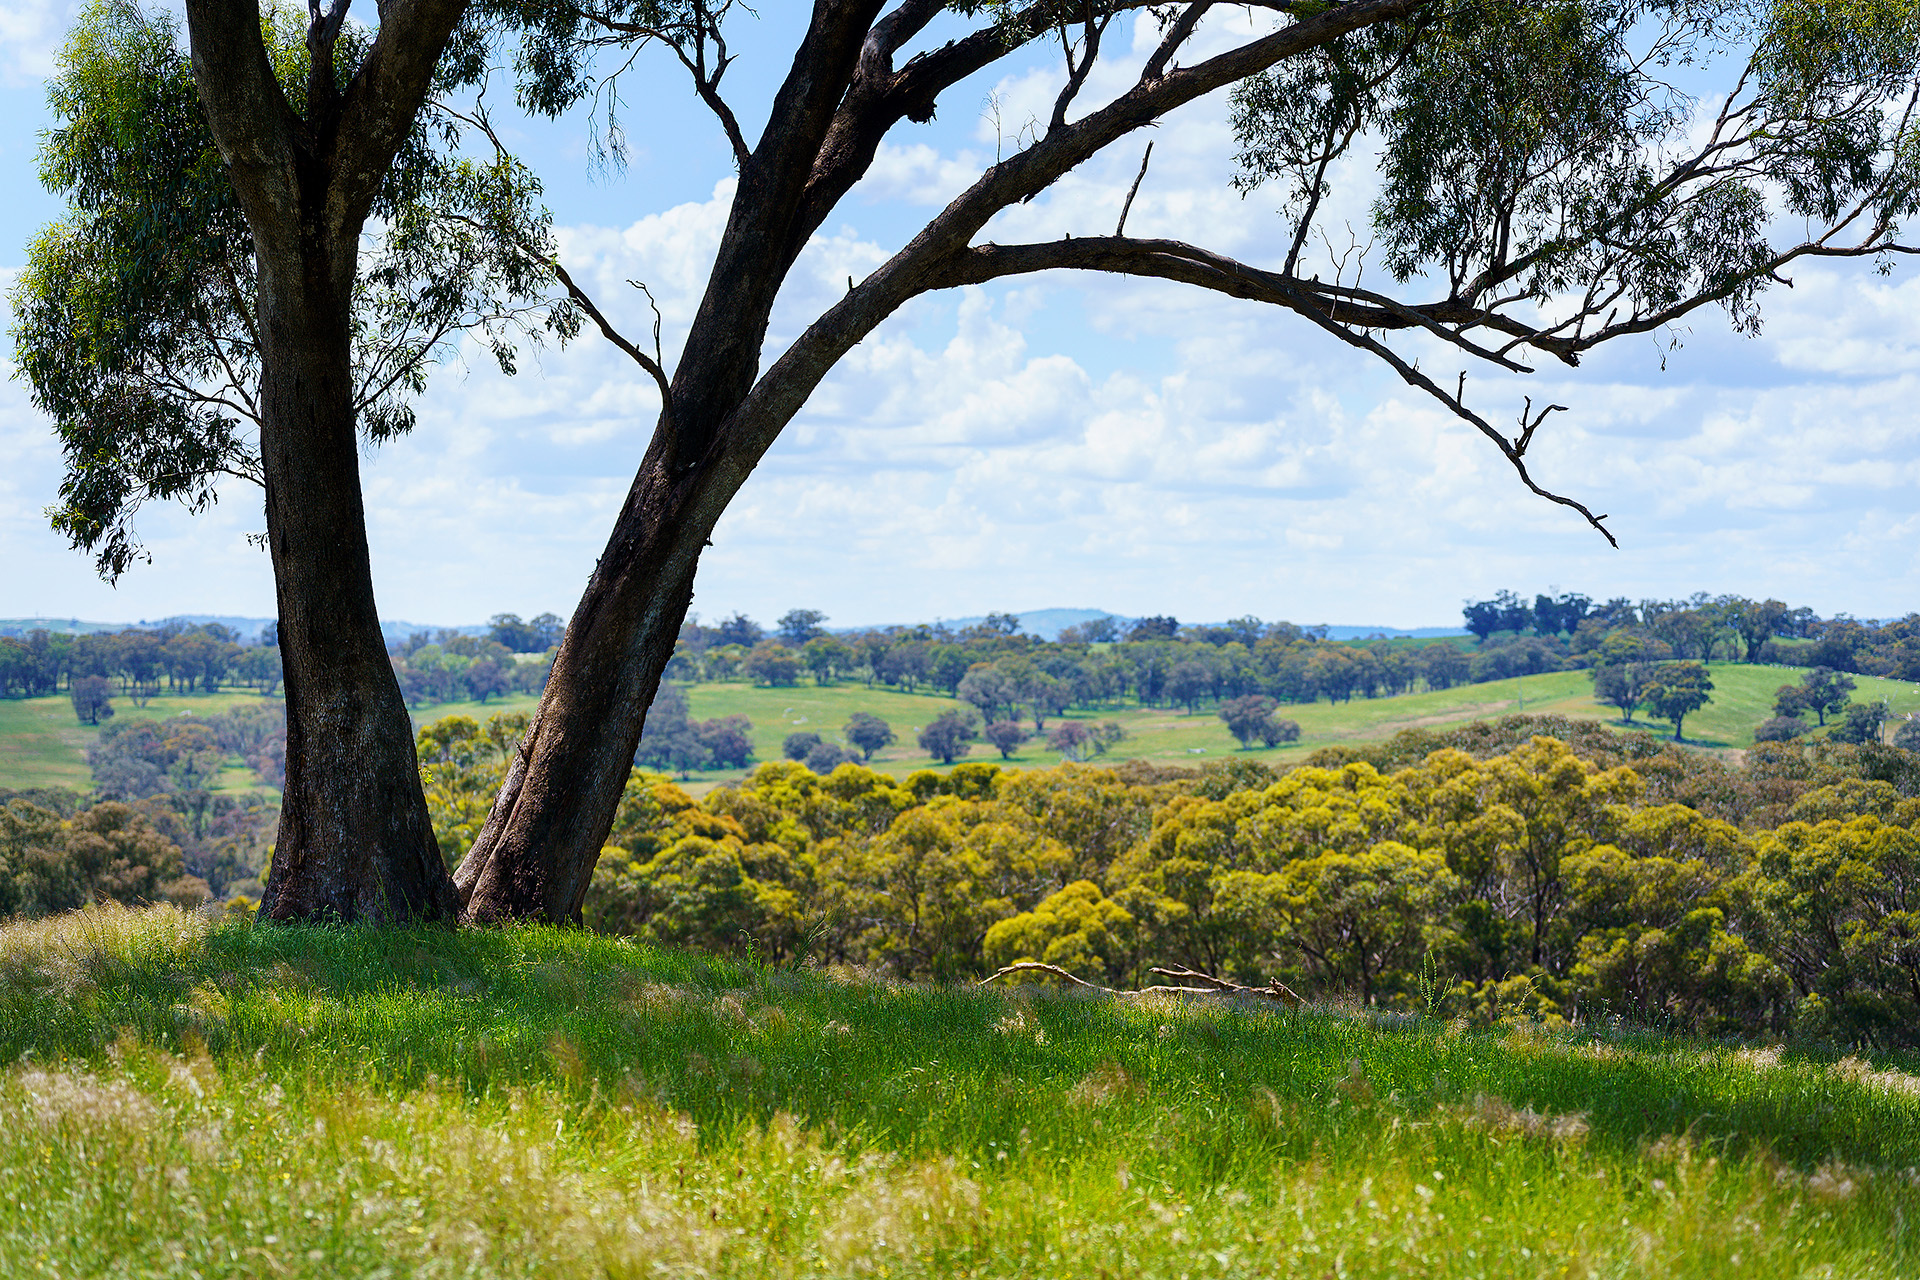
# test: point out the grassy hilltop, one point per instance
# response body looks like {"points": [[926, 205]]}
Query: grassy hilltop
{"points": [[186, 1098]]}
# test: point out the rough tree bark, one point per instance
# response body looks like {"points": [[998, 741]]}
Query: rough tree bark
{"points": [[355, 841]]}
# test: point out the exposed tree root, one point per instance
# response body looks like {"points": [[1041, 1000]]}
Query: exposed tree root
{"points": [[1210, 985]]}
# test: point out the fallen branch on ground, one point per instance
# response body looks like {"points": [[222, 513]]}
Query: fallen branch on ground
{"points": [[1275, 990]]}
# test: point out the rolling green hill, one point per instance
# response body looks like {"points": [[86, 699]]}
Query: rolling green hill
{"points": [[1742, 698], [41, 744]]}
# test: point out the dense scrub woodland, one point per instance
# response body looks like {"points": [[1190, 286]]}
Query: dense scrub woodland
{"points": [[190, 1098], [1530, 868]]}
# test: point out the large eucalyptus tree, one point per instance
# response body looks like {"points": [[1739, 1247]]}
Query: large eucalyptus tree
{"points": [[265, 249], [1542, 189]]}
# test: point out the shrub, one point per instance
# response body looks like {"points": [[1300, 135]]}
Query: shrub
{"points": [[1780, 729]]}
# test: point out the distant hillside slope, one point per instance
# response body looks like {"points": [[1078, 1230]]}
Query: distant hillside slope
{"points": [[1049, 623]]}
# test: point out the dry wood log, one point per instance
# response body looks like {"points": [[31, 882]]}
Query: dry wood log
{"points": [[1275, 990]]}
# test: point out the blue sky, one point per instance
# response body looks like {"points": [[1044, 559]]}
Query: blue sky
{"points": [[1061, 441]]}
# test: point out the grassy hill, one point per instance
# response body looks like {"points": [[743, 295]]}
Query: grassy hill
{"points": [[1742, 698], [224, 1100], [42, 744]]}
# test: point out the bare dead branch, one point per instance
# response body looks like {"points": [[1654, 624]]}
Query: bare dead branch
{"points": [[1275, 990], [639, 357], [1120, 228], [1527, 428]]}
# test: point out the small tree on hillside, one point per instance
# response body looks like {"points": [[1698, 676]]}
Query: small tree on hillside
{"points": [[1249, 718], [1790, 702], [1006, 737], [868, 732], [1073, 740], [92, 698], [1677, 689], [772, 663], [797, 745], [1622, 685], [949, 736], [1826, 692]]}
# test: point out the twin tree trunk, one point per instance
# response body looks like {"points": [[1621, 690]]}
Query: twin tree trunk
{"points": [[355, 840]]}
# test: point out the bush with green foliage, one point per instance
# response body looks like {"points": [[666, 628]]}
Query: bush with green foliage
{"points": [[50, 861], [1490, 871]]}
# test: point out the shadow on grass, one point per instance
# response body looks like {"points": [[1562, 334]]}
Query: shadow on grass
{"points": [[919, 1069]]}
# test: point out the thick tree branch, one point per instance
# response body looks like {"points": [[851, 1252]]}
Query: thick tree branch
{"points": [[1172, 260], [925, 263], [246, 110], [1188, 264], [385, 96]]}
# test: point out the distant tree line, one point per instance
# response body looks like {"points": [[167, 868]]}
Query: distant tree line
{"points": [[1006, 675], [185, 658], [449, 666], [137, 663], [1704, 628]]}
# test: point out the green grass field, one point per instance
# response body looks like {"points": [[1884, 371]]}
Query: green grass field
{"points": [[1742, 698], [184, 1098], [41, 744]]}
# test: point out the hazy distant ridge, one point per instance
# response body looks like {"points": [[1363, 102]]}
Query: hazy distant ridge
{"points": [[393, 630], [1045, 623]]}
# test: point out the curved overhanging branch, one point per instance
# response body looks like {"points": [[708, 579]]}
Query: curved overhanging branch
{"points": [[1173, 260], [1190, 264], [784, 388]]}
